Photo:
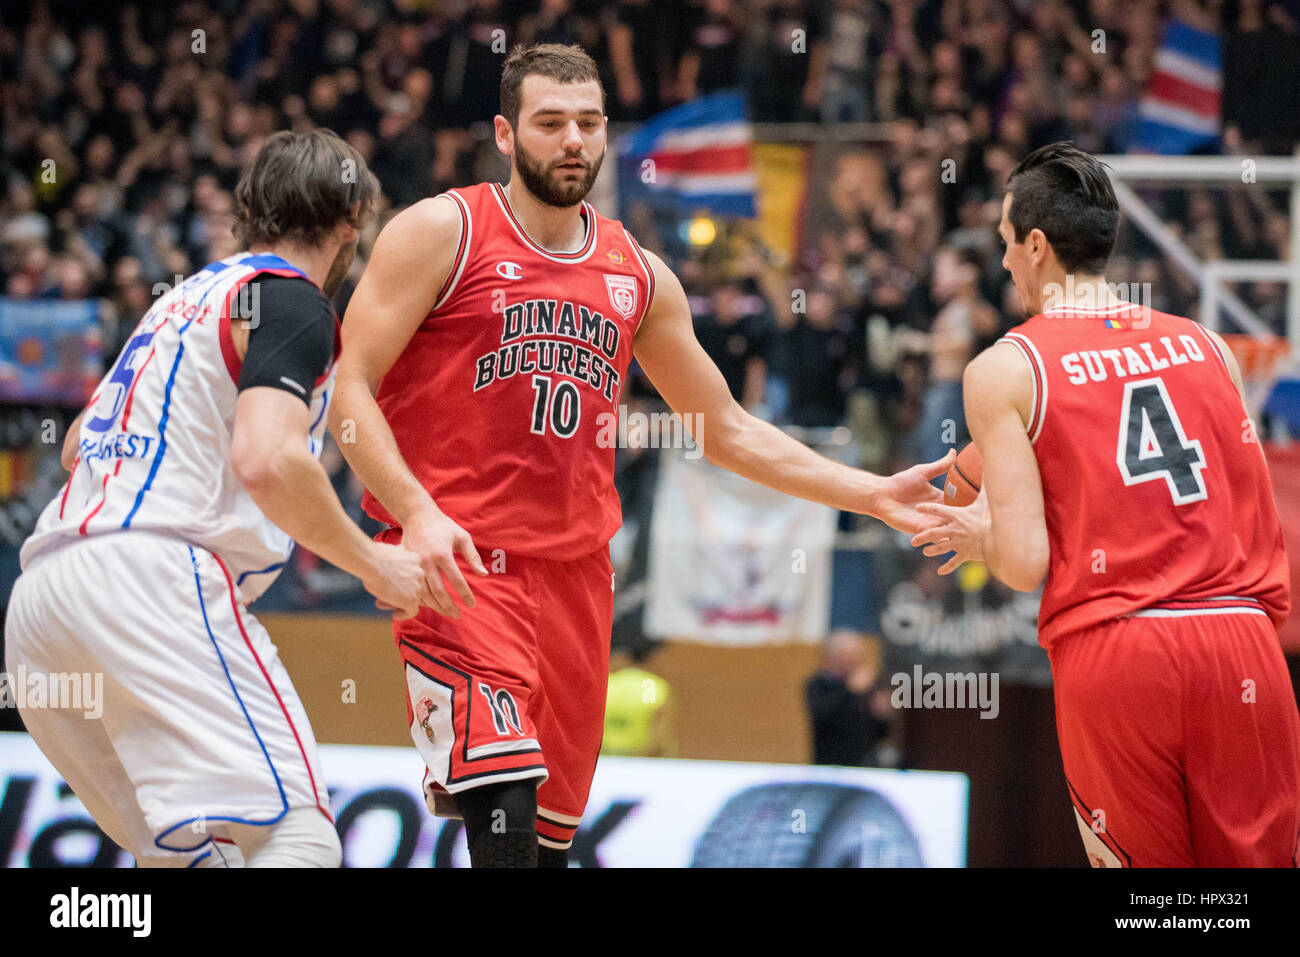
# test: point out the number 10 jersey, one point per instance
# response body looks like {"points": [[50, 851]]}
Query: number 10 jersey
{"points": [[505, 402]]}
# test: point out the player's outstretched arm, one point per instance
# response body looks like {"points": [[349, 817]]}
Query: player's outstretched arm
{"points": [[730, 437], [269, 454], [411, 259], [1005, 527]]}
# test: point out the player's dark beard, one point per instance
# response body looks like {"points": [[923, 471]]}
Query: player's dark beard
{"points": [[339, 269], [542, 183]]}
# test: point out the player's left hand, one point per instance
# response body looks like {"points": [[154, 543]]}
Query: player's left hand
{"points": [[960, 530], [902, 494]]}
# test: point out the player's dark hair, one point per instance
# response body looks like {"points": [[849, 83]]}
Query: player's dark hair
{"points": [[300, 186], [564, 64], [1066, 193]]}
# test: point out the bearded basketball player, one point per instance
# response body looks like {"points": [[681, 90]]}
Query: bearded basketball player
{"points": [[493, 326]]}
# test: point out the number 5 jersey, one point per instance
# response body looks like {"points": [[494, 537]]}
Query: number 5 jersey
{"points": [[1157, 497], [154, 448]]}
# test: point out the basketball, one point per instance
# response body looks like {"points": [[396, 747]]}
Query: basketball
{"points": [[962, 484]]}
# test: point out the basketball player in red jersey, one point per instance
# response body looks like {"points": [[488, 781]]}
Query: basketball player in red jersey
{"points": [[1119, 461], [484, 353]]}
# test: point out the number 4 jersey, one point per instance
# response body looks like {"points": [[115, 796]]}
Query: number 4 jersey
{"points": [[505, 402], [1157, 497]]}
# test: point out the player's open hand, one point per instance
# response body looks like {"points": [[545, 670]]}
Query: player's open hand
{"points": [[438, 540], [960, 530], [396, 579], [901, 495]]}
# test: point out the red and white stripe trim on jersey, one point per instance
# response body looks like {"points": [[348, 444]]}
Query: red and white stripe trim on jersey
{"points": [[462, 248], [229, 355], [644, 261], [1214, 345], [1121, 309], [1038, 371], [1219, 605], [580, 255]]}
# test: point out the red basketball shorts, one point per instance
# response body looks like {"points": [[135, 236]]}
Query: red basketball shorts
{"points": [[1180, 739], [515, 688]]}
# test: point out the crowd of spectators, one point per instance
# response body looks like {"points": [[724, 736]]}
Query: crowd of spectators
{"points": [[125, 126]]}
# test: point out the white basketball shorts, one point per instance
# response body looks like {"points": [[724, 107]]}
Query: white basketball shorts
{"points": [[200, 725]]}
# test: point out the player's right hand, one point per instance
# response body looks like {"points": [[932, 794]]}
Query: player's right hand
{"points": [[437, 540], [396, 579], [961, 530]]}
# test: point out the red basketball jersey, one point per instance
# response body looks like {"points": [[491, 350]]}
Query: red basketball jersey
{"points": [[1156, 493], [505, 402]]}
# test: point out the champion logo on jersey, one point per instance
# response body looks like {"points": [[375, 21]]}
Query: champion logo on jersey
{"points": [[622, 294], [509, 270]]}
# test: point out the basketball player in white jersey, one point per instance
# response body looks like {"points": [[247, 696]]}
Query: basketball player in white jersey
{"points": [[193, 470]]}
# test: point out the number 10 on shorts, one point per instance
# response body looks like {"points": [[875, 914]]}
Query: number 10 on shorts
{"points": [[505, 713]]}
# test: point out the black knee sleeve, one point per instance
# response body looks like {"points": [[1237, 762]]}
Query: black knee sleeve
{"points": [[551, 857], [510, 849], [500, 824]]}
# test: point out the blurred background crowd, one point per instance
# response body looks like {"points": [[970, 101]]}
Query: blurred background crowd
{"points": [[125, 126], [142, 115]]}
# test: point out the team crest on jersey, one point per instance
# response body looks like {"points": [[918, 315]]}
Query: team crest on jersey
{"points": [[424, 709], [622, 294]]}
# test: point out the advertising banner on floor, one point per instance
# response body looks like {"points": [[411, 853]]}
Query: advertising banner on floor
{"points": [[643, 812]]}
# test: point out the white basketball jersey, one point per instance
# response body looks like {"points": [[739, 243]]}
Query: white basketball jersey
{"points": [[154, 448]]}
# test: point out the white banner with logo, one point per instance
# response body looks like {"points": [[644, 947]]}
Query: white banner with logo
{"points": [[733, 562], [643, 812]]}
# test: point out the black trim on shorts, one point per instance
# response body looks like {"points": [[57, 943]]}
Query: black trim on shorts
{"points": [[556, 824], [1128, 861], [469, 704], [501, 771]]}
